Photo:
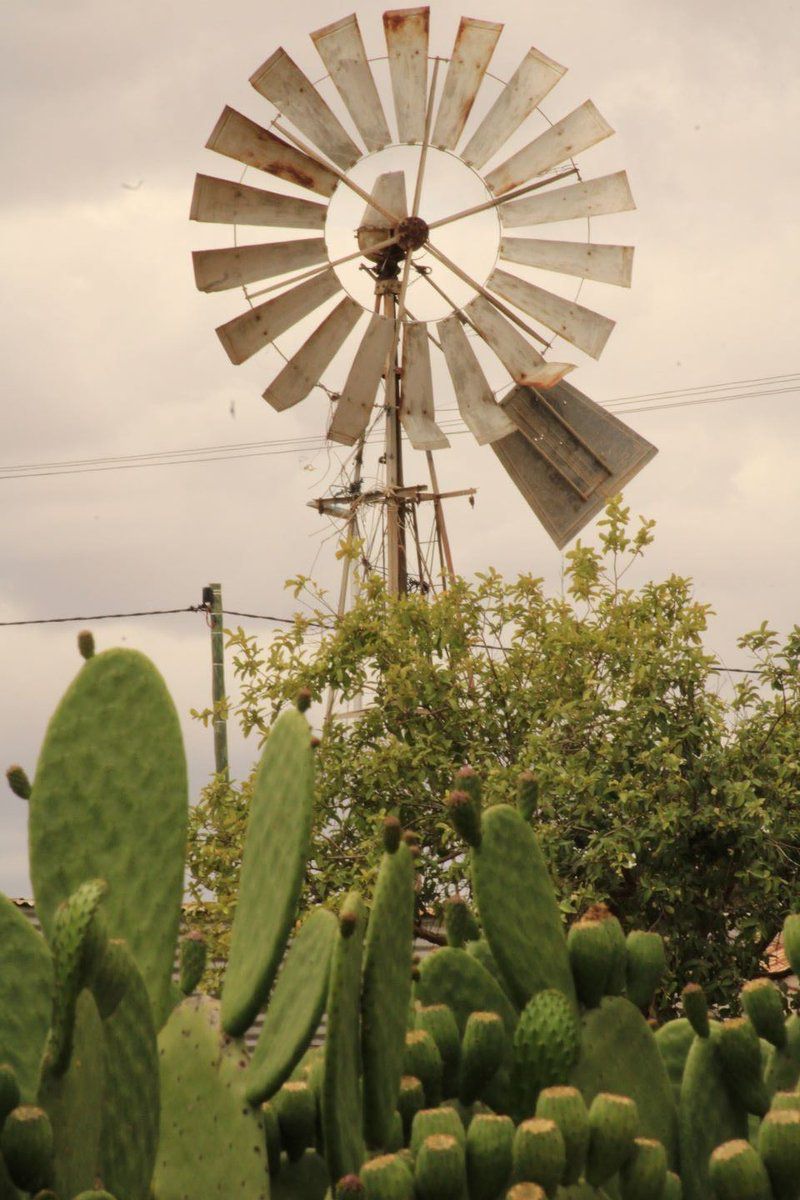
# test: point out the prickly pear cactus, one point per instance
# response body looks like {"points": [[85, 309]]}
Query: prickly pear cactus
{"points": [[212, 1142], [341, 1082], [273, 865], [26, 997], [110, 800]]}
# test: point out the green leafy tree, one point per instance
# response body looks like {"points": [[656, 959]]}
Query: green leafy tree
{"points": [[661, 792]]}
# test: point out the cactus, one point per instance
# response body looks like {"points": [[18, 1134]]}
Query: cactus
{"points": [[566, 1107], [737, 1172], [538, 1154], [709, 1115], [763, 1004], [202, 1093], [645, 964], [431, 1121], [779, 1147], [387, 1178], [546, 1047], [459, 922], [489, 1155], [295, 1107], [482, 1050], [192, 961], [589, 955], [422, 1059], [695, 1006], [644, 1174], [295, 1007], [18, 781], [341, 1093], [386, 989], [440, 1169], [27, 1146], [70, 944], [674, 1041], [613, 1125], [26, 988], [438, 1021], [111, 793], [273, 864]]}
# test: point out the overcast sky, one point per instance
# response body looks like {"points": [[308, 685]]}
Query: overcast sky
{"points": [[109, 350]]}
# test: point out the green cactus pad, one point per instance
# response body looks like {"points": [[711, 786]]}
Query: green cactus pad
{"points": [[645, 964], [453, 977], [109, 974], [274, 859], [482, 1050], [791, 940], [674, 1041], [435, 1120], [518, 908], [742, 1064], [27, 1146], [26, 989], [110, 800], [439, 1022], [341, 1083], [460, 925], [547, 1043], [440, 1170], [421, 1058], [74, 1102], [70, 943], [481, 950], [613, 1123], [737, 1172], [387, 1177], [306, 1179], [129, 1135], [539, 1155], [192, 961], [590, 959], [695, 1005], [644, 1174], [708, 1114], [295, 1007], [386, 992], [619, 1055], [779, 1147], [489, 1155], [296, 1109], [764, 1005], [202, 1094], [9, 1091], [566, 1106]]}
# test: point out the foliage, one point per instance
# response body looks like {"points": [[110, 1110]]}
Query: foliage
{"points": [[657, 793]]}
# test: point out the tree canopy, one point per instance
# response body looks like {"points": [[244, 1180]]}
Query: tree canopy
{"points": [[667, 788]]}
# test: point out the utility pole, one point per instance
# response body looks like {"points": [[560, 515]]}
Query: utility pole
{"points": [[212, 599]]}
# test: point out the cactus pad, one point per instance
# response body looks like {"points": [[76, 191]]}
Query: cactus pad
{"points": [[110, 799], [295, 1008], [518, 908], [202, 1093], [273, 865], [26, 987], [341, 1094]]}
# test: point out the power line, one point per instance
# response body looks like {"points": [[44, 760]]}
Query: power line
{"points": [[277, 446]]}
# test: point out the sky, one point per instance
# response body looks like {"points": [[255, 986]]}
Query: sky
{"points": [[109, 350]]}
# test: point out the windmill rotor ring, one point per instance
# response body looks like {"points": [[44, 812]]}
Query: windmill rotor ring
{"points": [[564, 452]]}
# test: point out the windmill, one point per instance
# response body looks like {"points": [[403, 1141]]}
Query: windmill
{"points": [[564, 452]]}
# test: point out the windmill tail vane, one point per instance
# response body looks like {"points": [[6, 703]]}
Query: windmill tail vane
{"points": [[565, 453]]}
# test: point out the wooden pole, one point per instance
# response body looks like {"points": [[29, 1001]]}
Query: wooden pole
{"points": [[396, 574], [218, 681]]}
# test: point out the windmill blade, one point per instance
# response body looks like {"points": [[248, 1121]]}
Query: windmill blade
{"points": [[591, 198], [479, 410], [252, 330], [417, 411], [523, 362], [389, 190], [587, 260], [341, 48], [474, 46], [533, 79], [240, 138], [589, 435], [584, 328], [579, 130], [227, 203], [281, 81], [355, 403], [234, 266], [407, 31], [305, 368]]}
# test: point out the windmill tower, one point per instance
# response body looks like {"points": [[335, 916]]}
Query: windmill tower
{"points": [[564, 452]]}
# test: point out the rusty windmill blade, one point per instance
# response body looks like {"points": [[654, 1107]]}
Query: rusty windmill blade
{"points": [[583, 327], [341, 48], [407, 31], [248, 333], [579, 131], [534, 78], [469, 60], [238, 137]]}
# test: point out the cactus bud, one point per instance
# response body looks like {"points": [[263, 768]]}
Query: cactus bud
{"points": [[387, 1177], [26, 1144], [468, 780], [779, 1147], [392, 833], [613, 1122], [438, 1020], [526, 1191], [763, 1004], [539, 1155], [18, 781], [9, 1091], [349, 1187], [421, 1058], [440, 1172], [643, 1175], [272, 1137], [590, 959], [645, 964], [410, 1099], [695, 1006], [192, 960], [465, 816], [460, 925], [483, 1048], [566, 1106], [316, 742], [86, 644], [489, 1155], [740, 1055], [527, 794], [429, 1121], [303, 699], [737, 1173], [347, 923], [296, 1110]]}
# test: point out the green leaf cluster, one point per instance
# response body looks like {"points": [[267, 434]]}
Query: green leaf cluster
{"points": [[664, 789]]}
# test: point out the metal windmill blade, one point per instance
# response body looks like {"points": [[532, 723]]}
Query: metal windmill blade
{"points": [[564, 452]]}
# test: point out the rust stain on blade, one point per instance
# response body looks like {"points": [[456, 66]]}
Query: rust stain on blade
{"points": [[546, 376], [399, 19], [238, 137]]}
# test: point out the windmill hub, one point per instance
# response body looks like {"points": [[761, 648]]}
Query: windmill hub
{"points": [[412, 234]]}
